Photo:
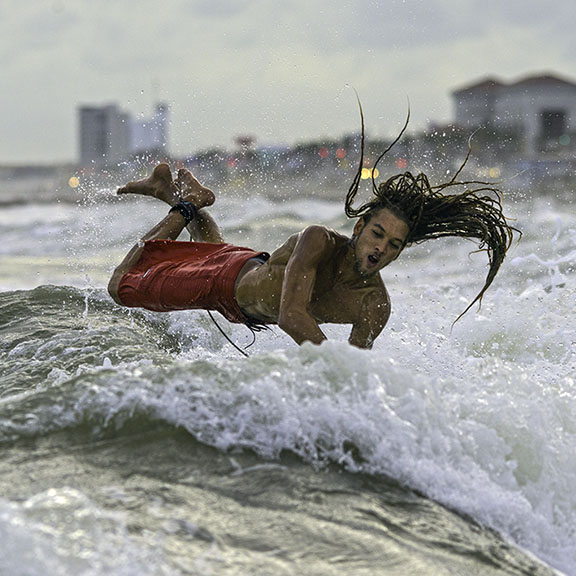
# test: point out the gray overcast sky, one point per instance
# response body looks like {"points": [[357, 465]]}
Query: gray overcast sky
{"points": [[280, 70]]}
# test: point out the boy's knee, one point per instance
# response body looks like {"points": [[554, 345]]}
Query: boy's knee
{"points": [[113, 287]]}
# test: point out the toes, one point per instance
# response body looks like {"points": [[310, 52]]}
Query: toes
{"points": [[130, 188], [186, 177], [162, 172]]}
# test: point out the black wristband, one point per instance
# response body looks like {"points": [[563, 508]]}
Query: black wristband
{"points": [[187, 209]]}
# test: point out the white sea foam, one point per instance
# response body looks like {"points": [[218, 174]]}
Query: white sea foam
{"points": [[457, 417]]}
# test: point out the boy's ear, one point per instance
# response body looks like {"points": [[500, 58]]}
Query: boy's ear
{"points": [[358, 226]]}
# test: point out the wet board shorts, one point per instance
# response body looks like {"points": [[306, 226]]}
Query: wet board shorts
{"points": [[174, 275]]}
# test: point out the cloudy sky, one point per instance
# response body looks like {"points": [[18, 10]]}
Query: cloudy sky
{"points": [[281, 70]]}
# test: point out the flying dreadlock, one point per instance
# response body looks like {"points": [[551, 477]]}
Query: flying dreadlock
{"points": [[475, 213]]}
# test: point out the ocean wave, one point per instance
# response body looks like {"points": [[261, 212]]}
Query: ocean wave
{"points": [[460, 418], [478, 415]]}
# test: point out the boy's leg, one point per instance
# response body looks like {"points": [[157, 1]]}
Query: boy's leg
{"points": [[160, 185], [203, 228]]}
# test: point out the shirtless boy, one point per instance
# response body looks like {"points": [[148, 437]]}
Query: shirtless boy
{"points": [[317, 276]]}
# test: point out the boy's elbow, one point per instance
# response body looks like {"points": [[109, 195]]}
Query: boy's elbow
{"points": [[287, 322]]}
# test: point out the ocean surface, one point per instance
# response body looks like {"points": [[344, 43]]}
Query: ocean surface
{"points": [[135, 443]]}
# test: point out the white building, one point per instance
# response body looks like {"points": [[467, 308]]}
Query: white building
{"points": [[541, 110], [104, 135], [109, 136], [150, 135]]}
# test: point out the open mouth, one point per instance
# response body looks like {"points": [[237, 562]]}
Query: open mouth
{"points": [[373, 259]]}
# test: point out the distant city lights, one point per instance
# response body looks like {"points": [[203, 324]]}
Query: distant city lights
{"points": [[340, 153], [369, 172]]}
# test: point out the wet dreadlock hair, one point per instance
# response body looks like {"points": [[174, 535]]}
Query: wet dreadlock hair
{"points": [[474, 213]]}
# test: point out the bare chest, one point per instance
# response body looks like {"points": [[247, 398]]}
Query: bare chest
{"points": [[339, 304], [332, 301]]}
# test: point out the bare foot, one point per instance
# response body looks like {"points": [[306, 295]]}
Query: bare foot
{"points": [[159, 185], [192, 191]]}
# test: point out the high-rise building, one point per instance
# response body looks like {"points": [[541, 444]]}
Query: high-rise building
{"points": [[150, 135], [109, 136], [104, 135]]}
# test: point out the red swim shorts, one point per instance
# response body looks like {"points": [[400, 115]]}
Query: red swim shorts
{"points": [[173, 275]]}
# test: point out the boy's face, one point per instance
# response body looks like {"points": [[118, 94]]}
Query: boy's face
{"points": [[378, 241]]}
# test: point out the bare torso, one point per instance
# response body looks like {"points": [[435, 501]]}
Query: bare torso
{"points": [[338, 295]]}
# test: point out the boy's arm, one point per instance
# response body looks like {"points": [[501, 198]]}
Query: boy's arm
{"points": [[373, 317], [314, 245]]}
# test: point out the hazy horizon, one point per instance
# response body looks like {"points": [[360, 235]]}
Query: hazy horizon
{"points": [[282, 72]]}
